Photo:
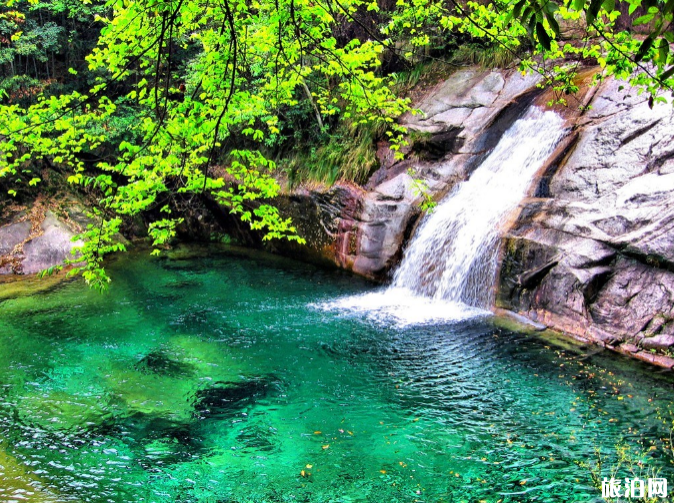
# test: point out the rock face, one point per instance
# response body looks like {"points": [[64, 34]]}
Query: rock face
{"points": [[363, 229], [593, 254], [36, 239]]}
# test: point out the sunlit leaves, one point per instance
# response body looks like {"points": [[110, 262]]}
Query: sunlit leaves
{"points": [[207, 81]]}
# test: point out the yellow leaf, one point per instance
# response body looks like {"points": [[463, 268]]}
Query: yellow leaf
{"points": [[317, 432], [326, 446], [310, 466], [382, 471]]}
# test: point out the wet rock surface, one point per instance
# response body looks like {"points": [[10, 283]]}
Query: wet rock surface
{"points": [[592, 252], [594, 257], [38, 238], [364, 229]]}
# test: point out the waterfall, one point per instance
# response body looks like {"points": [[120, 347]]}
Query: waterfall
{"points": [[454, 254], [448, 269]]}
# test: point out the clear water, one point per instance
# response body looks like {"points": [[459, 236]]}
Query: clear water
{"points": [[215, 377], [453, 256]]}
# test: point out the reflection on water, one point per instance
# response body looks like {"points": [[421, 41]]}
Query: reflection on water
{"points": [[220, 378]]}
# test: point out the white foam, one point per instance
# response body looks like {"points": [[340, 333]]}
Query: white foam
{"points": [[448, 269], [400, 307]]}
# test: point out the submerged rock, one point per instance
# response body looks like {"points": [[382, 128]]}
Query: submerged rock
{"points": [[163, 383], [18, 483], [162, 364], [226, 397]]}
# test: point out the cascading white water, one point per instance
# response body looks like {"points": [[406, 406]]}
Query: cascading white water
{"points": [[448, 269], [453, 255]]}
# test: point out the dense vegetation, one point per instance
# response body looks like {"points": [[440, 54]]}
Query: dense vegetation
{"points": [[149, 104]]}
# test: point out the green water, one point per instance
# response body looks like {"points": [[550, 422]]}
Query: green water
{"points": [[214, 378]]}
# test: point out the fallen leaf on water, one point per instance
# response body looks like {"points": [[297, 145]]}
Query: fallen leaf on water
{"points": [[303, 473], [317, 432], [416, 420], [382, 471], [310, 466], [522, 482], [326, 446]]}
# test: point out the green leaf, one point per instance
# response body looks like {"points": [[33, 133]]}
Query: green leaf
{"points": [[532, 25], [646, 18], [578, 5], [517, 10], [592, 11], [543, 36], [667, 74], [634, 5], [644, 48], [663, 51], [553, 23], [526, 14], [608, 5]]}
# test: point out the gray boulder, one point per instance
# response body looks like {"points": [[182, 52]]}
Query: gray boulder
{"points": [[612, 195], [25, 250]]}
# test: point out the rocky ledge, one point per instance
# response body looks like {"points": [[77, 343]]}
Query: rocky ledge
{"points": [[363, 229], [592, 251], [36, 237]]}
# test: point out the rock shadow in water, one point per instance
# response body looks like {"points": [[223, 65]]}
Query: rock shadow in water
{"points": [[161, 364], [226, 398]]}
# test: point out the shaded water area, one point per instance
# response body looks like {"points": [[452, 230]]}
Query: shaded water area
{"points": [[212, 376]]}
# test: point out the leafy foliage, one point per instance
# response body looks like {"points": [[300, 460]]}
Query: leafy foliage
{"points": [[179, 99], [346, 154], [646, 62]]}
